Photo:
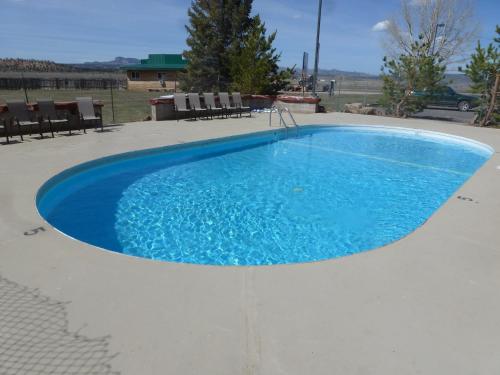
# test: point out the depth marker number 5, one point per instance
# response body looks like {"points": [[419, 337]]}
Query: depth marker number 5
{"points": [[32, 232]]}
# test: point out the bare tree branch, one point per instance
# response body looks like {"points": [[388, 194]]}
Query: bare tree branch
{"points": [[446, 27]]}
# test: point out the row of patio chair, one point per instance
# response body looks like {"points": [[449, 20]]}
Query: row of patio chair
{"points": [[194, 110], [48, 117]]}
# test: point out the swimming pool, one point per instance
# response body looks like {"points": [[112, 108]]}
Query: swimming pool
{"points": [[267, 198]]}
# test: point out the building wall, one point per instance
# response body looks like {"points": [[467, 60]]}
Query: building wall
{"points": [[149, 80]]}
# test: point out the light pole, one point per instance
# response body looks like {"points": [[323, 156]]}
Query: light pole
{"points": [[316, 56], [435, 36]]}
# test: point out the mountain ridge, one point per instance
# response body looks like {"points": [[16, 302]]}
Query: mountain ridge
{"points": [[116, 63], [10, 65], [34, 65]]}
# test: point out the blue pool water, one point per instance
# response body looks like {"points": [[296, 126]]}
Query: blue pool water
{"points": [[263, 199]]}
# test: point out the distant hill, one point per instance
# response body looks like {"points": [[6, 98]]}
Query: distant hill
{"points": [[107, 65], [39, 68], [31, 65], [455, 78], [345, 73], [358, 81], [46, 66]]}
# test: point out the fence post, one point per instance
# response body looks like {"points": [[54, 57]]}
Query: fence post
{"points": [[24, 88], [112, 100]]}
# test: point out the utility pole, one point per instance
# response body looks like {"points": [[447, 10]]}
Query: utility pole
{"points": [[316, 57], [305, 64]]}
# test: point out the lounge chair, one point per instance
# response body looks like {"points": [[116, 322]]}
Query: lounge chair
{"points": [[22, 117], [180, 105], [210, 104], [239, 104], [3, 126], [87, 113], [194, 104], [48, 115], [226, 104]]}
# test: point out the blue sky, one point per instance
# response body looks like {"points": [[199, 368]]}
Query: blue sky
{"points": [[88, 30]]}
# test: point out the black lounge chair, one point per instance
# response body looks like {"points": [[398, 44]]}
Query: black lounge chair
{"points": [[239, 105], [195, 105], [48, 115], [22, 117], [226, 104], [180, 106], [87, 113], [210, 104], [5, 131]]}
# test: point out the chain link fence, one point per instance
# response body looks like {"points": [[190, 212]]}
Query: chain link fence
{"points": [[120, 105], [337, 102]]}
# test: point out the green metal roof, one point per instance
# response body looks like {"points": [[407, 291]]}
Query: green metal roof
{"points": [[159, 62]]}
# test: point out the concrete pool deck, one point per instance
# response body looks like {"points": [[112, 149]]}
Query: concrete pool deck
{"points": [[427, 304]]}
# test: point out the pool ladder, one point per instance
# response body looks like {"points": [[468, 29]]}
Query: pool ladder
{"points": [[279, 110]]}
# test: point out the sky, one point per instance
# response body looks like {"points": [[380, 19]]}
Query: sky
{"points": [[74, 31]]}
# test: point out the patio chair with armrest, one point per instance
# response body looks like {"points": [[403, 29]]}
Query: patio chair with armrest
{"points": [[180, 105], [226, 104], [239, 104], [210, 104], [87, 113], [48, 115], [3, 126], [195, 105], [21, 116]]}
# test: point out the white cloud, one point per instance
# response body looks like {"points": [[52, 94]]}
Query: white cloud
{"points": [[381, 26]]}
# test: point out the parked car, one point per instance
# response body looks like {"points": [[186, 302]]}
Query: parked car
{"points": [[450, 98]]}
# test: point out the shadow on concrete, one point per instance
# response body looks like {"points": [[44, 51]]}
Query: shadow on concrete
{"points": [[441, 114], [437, 118], [34, 337], [11, 142]]}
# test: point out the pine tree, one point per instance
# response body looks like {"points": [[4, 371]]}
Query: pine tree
{"points": [[229, 49], [484, 72], [215, 27], [415, 71], [254, 64]]}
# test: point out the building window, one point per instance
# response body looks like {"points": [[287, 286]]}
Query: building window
{"points": [[135, 76], [162, 76]]}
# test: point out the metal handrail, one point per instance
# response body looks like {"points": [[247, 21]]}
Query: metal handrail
{"points": [[291, 116], [280, 111], [277, 110]]}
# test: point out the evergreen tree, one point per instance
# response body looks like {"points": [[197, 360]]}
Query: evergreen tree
{"points": [[229, 49], [215, 27], [402, 77], [484, 72], [254, 64]]}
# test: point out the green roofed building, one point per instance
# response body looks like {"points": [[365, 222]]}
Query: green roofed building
{"points": [[156, 73]]}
